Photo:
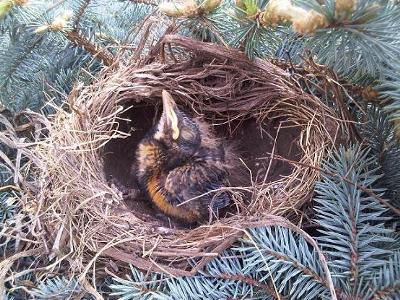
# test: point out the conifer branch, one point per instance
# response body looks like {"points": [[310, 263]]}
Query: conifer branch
{"points": [[58, 288], [348, 231], [78, 16], [387, 283], [379, 134], [282, 11], [250, 281], [8, 75], [106, 57], [297, 265]]}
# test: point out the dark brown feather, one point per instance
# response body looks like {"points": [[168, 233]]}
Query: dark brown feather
{"points": [[180, 175]]}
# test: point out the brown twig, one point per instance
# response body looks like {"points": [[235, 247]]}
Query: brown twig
{"points": [[386, 292], [218, 249], [148, 26], [7, 188], [158, 48], [80, 13], [148, 2], [106, 57], [251, 281]]}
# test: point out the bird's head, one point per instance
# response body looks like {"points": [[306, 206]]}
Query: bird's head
{"points": [[176, 130]]}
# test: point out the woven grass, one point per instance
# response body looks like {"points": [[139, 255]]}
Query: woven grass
{"points": [[84, 219]]}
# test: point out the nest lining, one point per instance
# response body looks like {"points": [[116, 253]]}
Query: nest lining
{"points": [[86, 217]]}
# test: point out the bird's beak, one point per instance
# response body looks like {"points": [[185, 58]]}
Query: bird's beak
{"points": [[169, 113]]}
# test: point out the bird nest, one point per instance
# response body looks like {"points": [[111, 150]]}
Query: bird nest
{"points": [[281, 132]]}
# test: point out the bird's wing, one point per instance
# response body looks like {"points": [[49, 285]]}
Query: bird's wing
{"points": [[197, 182]]}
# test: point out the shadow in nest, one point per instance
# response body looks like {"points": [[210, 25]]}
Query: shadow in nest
{"points": [[254, 142]]}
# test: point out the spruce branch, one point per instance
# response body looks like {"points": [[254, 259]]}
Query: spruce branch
{"points": [[32, 65], [252, 282], [303, 21], [358, 43], [249, 7], [56, 288], [79, 14], [362, 44], [107, 58], [138, 285], [246, 271], [24, 59], [59, 23], [15, 65], [389, 93], [379, 134], [271, 250], [386, 284], [8, 206], [351, 221]]}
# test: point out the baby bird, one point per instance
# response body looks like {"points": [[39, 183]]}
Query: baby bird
{"points": [[179, 164]]}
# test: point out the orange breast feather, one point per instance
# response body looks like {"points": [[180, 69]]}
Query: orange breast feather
{"points": [[162, 203]]}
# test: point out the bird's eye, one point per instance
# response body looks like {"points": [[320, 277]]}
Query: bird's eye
{"points": [[187, 134]]}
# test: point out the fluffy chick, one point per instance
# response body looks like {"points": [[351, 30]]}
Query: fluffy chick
{"points": [[179, 164]]}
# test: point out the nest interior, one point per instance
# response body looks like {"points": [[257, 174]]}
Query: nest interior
{"points": [[252, 141], [254, 103]]}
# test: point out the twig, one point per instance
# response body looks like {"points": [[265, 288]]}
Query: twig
{"points": [[250, 281], [225, 244], [158, 48], [145, 35], [386, 292], [106, 57], [141, 263], [80, 13], [332, 79], [148, 2], [7, 188]]}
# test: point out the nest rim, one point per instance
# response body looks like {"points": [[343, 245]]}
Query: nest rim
{"points": [[77, 136]]}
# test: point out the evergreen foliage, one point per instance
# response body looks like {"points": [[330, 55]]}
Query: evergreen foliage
{"points": [[351, 221], [57, 288], [378, 132], [360, 44], [39, 66], [10, 217], [389, 90], [40, 62], [8, 206], [270, 262]]}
